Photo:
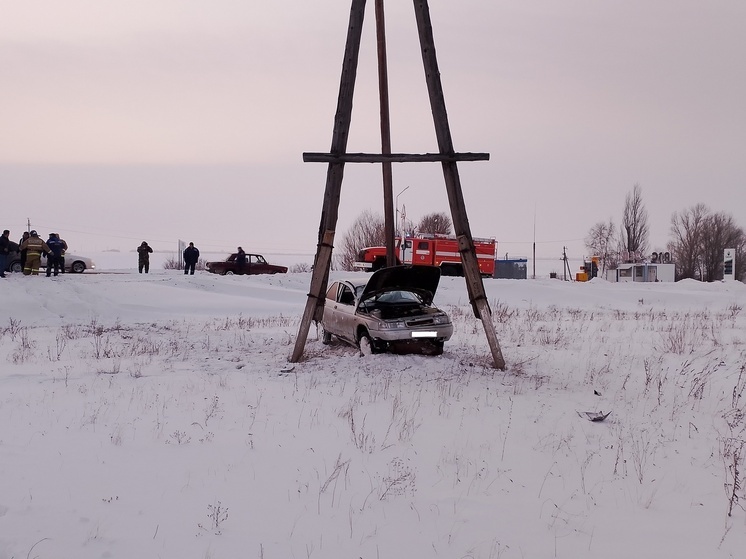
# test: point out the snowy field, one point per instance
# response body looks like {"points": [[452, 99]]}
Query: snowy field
{"points": [[156, 416]]}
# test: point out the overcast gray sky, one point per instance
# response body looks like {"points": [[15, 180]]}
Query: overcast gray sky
{"points": [[156, 120]]}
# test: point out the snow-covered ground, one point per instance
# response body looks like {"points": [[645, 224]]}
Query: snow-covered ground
{"points": [[156, 416]]}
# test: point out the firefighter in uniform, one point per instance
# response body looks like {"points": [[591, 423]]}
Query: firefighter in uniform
{"points": [[34, 248]]}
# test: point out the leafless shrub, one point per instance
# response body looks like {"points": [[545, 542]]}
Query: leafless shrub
{"points": [[680, 337], [145, 345], [25, 346], [13, 328], [362, 439], [400, 481], [301, 267], [172, 263], [217, 514], [179, 437], [72, 331], [734, 452], [333, 478], [555, 337], [60, 345], [501, 313], [733, 447], [642, 451], [114, 369], [101, 345], [213, 408], [249, 322]]}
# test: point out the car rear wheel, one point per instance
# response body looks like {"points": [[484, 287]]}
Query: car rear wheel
{"points": [[228, 273], [16, 267], [77, 267]]}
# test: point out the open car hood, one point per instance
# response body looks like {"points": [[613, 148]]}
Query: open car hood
{"points": [[420, 279]]}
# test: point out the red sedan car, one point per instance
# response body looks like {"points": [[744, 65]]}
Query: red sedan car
{"points": [[255, 264]]}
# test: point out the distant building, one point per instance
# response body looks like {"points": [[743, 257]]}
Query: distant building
{"points": [[510, 268], [642, 272]]}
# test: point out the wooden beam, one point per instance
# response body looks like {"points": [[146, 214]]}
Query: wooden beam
{"points": [[330, 210], [474, 285], [316, 157], [383, 96]]}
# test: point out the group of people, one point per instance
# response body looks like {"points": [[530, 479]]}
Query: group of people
{"points": [[191, 256], [31, 248]]}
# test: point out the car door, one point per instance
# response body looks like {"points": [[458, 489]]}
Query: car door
{"points": [[330, 309], [339, 311], [347, 322]]}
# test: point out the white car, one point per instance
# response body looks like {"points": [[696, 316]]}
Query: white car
{"points": [[73, 263], [392, 310]]}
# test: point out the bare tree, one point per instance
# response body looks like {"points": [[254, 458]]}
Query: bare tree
{"points": [[699, 238], [635, 230], [601, 241], [366, 231], [438, 223], [720, 232], [687, 230]]}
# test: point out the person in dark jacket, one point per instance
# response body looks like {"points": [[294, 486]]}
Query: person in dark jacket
{"points": [[26, 235], [191, 256], [143, 257], [4, 251], [62, 255], [240, 260], [34, 248], [55, 260]]}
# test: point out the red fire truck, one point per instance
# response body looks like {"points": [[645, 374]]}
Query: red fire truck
{"points": [[430, 250]]}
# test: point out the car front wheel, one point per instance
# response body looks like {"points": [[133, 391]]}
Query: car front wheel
{"points": [[228, 273], [16, 267], [326, 337], [367, 344], [436, 348]]}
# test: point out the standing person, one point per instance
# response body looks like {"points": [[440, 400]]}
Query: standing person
{"points": [[62, 254], [191, 256], [143, 257], [34, 247], [4, 251], [55, 260], [23, 251], [240, 260]]}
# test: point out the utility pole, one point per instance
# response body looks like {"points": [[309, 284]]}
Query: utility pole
{"points": [[567, 264], [533, 276]]}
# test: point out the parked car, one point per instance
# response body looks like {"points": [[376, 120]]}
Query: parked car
{"points": [[255, 264], [391, 310], [73, 263]]}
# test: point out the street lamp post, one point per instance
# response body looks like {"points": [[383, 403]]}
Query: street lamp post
{"points": [[397, 206]]}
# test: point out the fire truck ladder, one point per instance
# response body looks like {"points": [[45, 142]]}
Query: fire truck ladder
{"points": [[338, 156]]}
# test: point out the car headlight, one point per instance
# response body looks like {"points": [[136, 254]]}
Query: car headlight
{"points": [[440, 319], [392, 325]]}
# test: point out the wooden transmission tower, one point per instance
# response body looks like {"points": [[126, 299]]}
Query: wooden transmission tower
{"points": [[338, 157]]}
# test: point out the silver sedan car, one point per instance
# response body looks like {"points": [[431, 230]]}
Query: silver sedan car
{"points": [[74, 263], [391, 310]]}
